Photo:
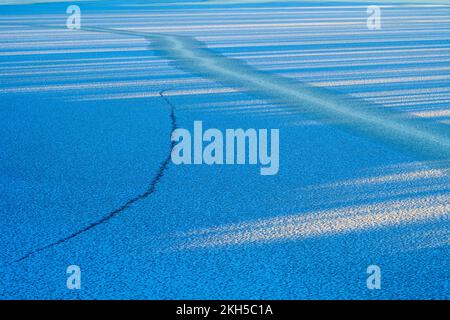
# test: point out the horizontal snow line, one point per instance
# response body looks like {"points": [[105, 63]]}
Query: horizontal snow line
{"points": [[340, 49], [74, 66], [394, 93], [290, 34], [376, 59], [45, 52], [37, 63], [406, 8], [362, 51], [101, 85], [411, 97], [418, 103], [405, 29], [143, 95], [231, 21], [270, 26], [378, 81], [306, 76], [90, 42], [90, 73], [365, 73], [34, 40], [323, 42]]}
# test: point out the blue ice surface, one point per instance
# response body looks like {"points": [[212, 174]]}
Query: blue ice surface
{"points": [[83, 131]]}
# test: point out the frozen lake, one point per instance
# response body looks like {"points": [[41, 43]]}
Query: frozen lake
{"points": [[86, 179]]}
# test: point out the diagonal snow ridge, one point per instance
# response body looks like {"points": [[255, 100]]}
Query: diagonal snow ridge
{"points": [[427, 140]]}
